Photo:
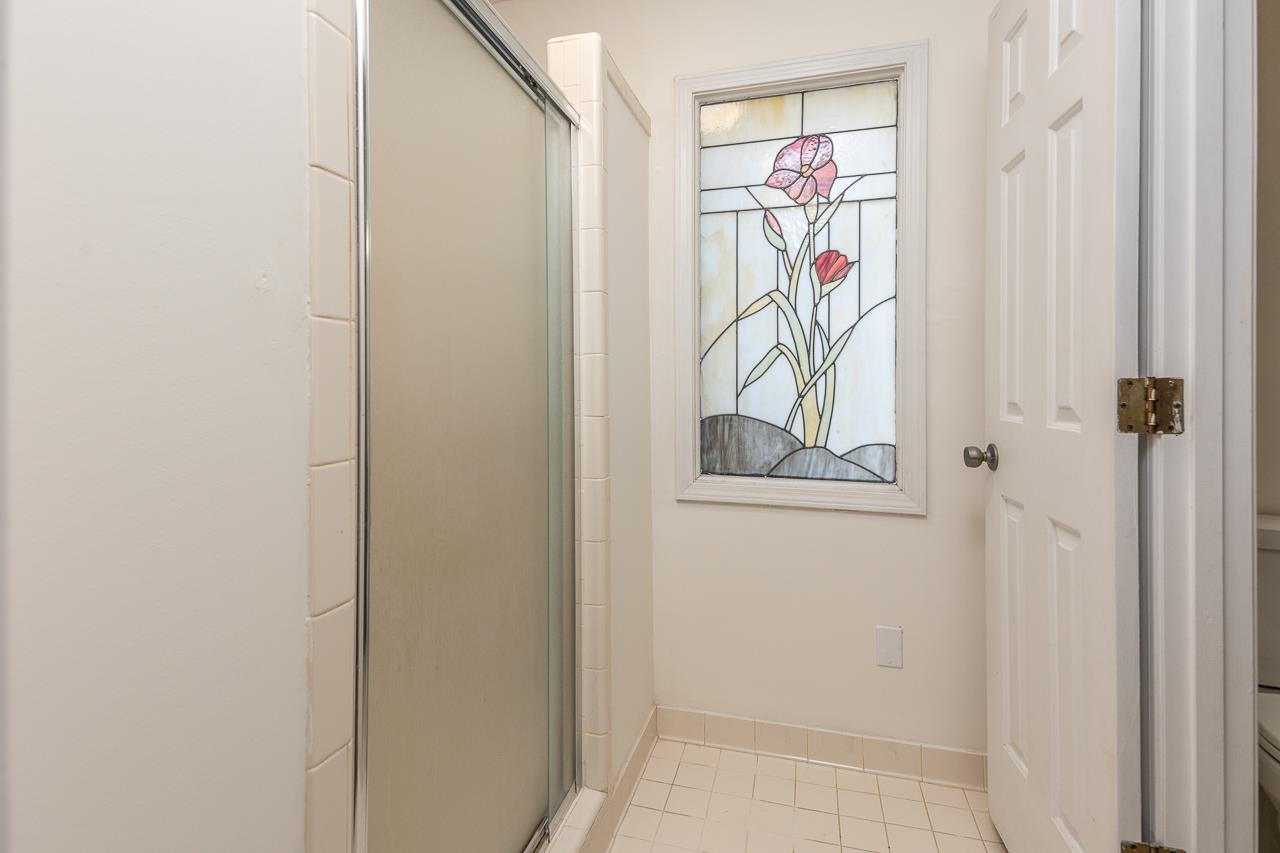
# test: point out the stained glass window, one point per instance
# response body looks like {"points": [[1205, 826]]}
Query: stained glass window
{"points": [[797, 281]]}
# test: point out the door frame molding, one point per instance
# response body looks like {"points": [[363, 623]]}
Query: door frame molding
{"points": [[1198, 566]]}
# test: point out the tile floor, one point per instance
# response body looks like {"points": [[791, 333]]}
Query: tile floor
{"points": [[719, 801]]}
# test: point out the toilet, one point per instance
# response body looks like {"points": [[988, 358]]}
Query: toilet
{"points": [[1269, 767]]}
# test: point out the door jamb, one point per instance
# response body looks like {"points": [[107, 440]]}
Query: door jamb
{"points": [[1199, 678]]}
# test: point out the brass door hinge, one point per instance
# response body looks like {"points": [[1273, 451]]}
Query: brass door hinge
{"points": [[1144, 847], [1149, 405]]}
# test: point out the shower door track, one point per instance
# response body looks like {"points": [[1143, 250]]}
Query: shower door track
{"points": [[541, 834]]}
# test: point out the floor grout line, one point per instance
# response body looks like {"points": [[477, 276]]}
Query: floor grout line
{"points": [[687, 832]]}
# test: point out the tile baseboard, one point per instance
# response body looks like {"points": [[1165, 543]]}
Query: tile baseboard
{"points": [[885, 756]]}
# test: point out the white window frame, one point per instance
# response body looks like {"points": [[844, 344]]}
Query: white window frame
{"points": [[908, 64]]}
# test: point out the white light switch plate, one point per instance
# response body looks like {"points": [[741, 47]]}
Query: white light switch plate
{"points": [[889, 646]]}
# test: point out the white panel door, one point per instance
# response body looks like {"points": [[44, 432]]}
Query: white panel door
{"points": [[1062, 558]]}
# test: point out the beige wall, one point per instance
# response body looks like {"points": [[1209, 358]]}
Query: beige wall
{"points": [[1268, 257], [155, 425], [768, 613], [631, 487]]}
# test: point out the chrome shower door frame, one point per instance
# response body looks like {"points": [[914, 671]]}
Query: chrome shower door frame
{"points": [[486, 24]]}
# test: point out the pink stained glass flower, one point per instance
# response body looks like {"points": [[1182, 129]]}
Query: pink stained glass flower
{"points": [[772, 222], [804, 169], [832, 267], [773, 232]]}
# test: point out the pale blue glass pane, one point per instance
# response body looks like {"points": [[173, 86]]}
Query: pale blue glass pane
{"points": [[794, 227], [758, 268], [870, 186], [865, 385], [862, 152], [717, 264], [769, 197], [759, 272], [749, 164], [850, 107], [717, 259], [879, 251], [715, 201], [718, 374], [750, 120], [843, 236]]}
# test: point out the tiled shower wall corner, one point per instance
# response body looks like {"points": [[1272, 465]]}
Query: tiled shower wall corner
{"points": [[576, 63], [331, 605]]}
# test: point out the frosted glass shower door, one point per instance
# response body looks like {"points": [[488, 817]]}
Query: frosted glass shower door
{"points": [[469, 692]]}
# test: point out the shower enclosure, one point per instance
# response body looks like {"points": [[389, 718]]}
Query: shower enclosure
{"points": [[467, 696]]}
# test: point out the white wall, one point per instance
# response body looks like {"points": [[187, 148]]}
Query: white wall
{"points": [[631, 488], [769, 613], [155, 426]]}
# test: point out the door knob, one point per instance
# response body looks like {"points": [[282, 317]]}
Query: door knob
{"points": [[975, 456]]}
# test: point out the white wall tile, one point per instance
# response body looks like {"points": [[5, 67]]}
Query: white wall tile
{"points": [[591, 134], [577, 316], [562, 61], [731, 732], [595, 448], [333, 535], [332, 253], [577, 387], [835, 748], [595, 637], [336, 12], [595, 510], [780, 739], [333, 642], [329, 802], [329, 82], [593, 249], [953, 766], [678, 724], [891, 756], [595, 573], [555, 62], [594, 323], [332, 391], [571, 94], [593, 200], [595, 761], [332, 497], [590, 67], [596, 695], [595, 385]]}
